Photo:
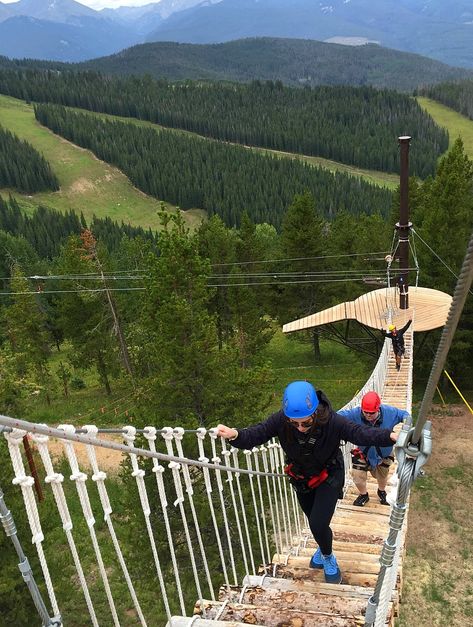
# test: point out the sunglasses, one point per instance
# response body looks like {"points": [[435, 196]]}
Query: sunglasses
{"points": [[302, 423]]}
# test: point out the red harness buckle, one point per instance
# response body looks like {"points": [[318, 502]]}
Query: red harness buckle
{"points": [[316, 480]]}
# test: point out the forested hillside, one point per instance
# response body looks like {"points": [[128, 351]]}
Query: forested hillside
{"points": [[296, 62], [22, 167], [223, 179], [458, 96], [352, 125], [293, 61]]}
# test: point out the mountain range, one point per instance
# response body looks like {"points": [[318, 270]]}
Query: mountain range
{"points": [[66, 30]]}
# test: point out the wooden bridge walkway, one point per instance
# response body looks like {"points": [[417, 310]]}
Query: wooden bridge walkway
{"points": [[297, 596]]}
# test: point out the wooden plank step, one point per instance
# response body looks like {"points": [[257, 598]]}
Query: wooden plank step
{"points": [[367, 580], [359, 514], [341, 545], [345, 553], [372, 507], [319, 587], [356, 565], [358, 529], [183, 621], [292, 599], [277, 616]]}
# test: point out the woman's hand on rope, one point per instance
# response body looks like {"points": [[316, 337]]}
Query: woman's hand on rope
{"points": [[228, 433]]}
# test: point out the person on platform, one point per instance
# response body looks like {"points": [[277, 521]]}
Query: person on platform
{"points": [[310, 432], [373, 459], [397, 339]]}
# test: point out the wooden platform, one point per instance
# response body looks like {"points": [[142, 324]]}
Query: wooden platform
{"points": [[372, 309]]}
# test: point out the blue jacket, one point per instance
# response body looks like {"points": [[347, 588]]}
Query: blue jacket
{"points": [[389, 417]]}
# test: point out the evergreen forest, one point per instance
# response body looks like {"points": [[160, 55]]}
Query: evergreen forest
{"points": [[226, 180], [456, 95], [353, 125], [22, 167]]}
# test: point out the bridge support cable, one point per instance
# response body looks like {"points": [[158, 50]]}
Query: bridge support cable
{"points": [[272, 496], [56, 480], [158, 470], [280, 503], [167, 434], [9, 526], [79, 478], [236, 512], [234, 454], [14, 438], [265, 558], [178, 435], [292, 508], [208, 488], [255, 452], [460, 295], [218, 476], [99, 477]]}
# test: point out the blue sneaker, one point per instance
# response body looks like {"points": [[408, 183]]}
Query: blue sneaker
{"points": [[316, 560], [331, 569]]}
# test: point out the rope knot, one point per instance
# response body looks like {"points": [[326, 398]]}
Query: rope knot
{"points": [[150, 433], [138, 473], [129, 434], [56, 477], [178, 433], [201, 433], [167, 433], [23, 481], [99, 476], [79, 476]]}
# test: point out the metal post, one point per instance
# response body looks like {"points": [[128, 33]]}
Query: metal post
{"points": [[8, 523], [404, 226]]}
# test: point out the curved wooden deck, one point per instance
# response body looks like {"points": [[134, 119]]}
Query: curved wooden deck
{"points": [[372, 309]]}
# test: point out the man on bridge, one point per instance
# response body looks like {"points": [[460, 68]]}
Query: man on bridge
{"points": [[375, 459]]}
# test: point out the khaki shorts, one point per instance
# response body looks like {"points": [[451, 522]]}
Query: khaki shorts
{"points": [[381, 471]]}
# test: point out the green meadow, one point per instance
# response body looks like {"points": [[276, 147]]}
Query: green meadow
{"points": [[86, 183], [457, 125]]}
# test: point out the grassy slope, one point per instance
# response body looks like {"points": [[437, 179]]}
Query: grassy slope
{"points": [[87, 184], [94, 187], [456, 124]]}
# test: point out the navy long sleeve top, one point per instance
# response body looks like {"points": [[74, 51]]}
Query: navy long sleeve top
{"points": [[314, 450]]}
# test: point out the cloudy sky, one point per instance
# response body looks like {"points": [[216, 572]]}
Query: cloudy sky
{"points": [[101, 4]]}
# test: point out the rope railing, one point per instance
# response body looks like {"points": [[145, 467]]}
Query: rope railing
{"points": [[251, 511], [252, 489]]}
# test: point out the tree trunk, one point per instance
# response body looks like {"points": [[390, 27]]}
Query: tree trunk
{"points": [[316, 343]]}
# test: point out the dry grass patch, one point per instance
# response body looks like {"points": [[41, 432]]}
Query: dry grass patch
{"points": [[438, 568]]}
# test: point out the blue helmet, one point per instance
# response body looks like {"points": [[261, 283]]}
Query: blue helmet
{"points": [[299, 400]]}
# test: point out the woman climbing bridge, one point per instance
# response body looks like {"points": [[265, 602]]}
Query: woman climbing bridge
{"points": [[310, 432]]}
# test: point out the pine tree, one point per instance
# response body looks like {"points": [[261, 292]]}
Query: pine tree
{"points": [[27, 333], [302, 239]]}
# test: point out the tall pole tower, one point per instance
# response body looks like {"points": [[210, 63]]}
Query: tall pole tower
{"points": [[404, 226]]}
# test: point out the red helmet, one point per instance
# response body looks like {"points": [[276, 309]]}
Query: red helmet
{"points": [[370, 402]]}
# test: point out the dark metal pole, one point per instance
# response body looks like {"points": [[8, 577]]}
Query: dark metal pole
{"points": [[33, 470], [404, 226]]}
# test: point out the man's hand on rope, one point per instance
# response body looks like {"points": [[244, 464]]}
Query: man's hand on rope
{"points": [[228, 433], [394, 436]]}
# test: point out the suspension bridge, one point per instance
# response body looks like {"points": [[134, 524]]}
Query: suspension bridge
{"points": [[227, 542]]}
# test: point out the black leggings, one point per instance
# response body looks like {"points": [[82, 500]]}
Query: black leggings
{"points": [[318, 505]]}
